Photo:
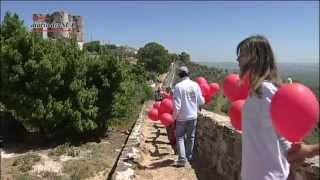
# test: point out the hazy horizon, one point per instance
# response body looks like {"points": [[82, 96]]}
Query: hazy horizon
{"points": [[234, 61], [307, 73]]}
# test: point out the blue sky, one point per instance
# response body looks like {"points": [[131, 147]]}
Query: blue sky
{"points": [[208, 30]]}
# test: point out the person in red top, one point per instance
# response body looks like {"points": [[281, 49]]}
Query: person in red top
{"points": [[168, 93]]}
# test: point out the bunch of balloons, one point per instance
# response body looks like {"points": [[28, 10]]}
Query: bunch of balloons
{"points": [[294, 109], [162, 110], [207, 90], [236, 90]]}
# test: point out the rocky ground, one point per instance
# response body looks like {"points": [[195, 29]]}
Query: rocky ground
{"points": [[90, 160], [157, 161]]}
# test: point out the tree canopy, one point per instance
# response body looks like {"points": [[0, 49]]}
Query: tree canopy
{"points": [[53, 86], [154, 57]]}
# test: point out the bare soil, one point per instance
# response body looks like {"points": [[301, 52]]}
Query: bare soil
{"points": [[90, 160]]}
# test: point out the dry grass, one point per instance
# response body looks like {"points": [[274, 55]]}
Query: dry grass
{"points": [[87, 160], [95, 161], [24, 163], [65, 149]]}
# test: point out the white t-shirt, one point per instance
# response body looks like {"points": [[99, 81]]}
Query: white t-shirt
{"points": [[264, 152], [187, 97]]}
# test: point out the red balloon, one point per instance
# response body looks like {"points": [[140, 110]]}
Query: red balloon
{"points": [[166, 119], [244, 86], [214, 88], [231, 88], [295, 111], [207, 99], [156, 105], [201, 80], [235, 113], [153, 114], [205, 89], [166, 106]]}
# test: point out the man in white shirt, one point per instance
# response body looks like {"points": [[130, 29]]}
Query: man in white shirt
{"points": [[187, 97]]}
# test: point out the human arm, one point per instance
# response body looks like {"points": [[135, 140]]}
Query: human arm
{"points": [[200, 96], [296, 152], [268, 90], [176, 102], [300, 151]]}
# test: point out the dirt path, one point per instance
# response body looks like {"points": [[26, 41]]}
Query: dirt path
{"points": [[158, 156]]}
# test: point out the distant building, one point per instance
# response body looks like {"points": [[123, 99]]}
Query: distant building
{"points": [[132, 60], [59, 25], [128, 51]]}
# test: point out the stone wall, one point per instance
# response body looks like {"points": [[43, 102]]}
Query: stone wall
{"points": [[124, 167], [218, 145]]}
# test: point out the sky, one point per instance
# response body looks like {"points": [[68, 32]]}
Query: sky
{"points": [[207, 30]]}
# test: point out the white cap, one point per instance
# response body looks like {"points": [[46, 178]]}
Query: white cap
{"points": [[184, 69]]}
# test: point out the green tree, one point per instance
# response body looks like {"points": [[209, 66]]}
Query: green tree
{"points": [[54, 86], [93, 46], [154, 57], [174, 57], [184, 57]]}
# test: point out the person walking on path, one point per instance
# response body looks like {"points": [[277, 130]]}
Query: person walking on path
{"points": [[187, 98]]}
